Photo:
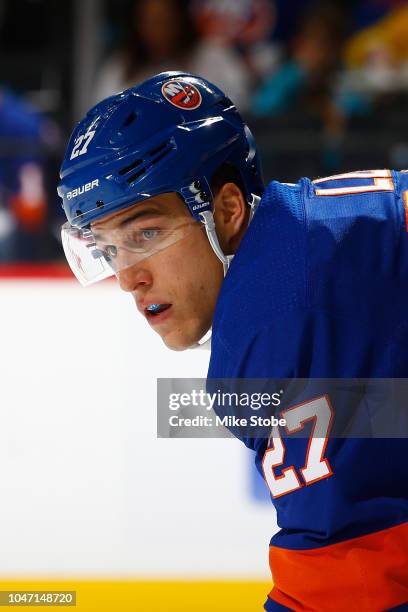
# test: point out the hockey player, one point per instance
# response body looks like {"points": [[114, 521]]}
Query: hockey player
{"points": [[162, 187]]}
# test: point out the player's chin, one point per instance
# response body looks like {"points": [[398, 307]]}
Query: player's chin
{"points": [[180, 339], [173, 339]]}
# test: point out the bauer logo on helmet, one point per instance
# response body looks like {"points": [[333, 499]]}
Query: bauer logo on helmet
{"points": [[181, 94]]}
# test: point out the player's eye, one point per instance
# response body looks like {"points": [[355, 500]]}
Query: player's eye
{"points": [[149, 234], [142, 238]]}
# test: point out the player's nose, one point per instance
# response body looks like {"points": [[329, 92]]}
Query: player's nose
{"points": [[134, 277]]}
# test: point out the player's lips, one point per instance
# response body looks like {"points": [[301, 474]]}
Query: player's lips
{"points": [[155, 312]]}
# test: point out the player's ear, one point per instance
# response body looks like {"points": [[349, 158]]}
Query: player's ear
{"points": [[231, 216]]}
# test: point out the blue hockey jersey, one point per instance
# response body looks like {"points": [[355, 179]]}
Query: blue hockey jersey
{"points": [[318, 289]]}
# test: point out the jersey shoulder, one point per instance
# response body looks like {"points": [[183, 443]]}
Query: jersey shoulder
{"points": [[316, 254], [379, 193]]}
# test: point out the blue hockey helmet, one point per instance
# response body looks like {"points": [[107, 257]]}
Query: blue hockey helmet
{"points": [[168, 134]]}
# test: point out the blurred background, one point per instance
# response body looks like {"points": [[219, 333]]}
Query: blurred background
{"points": [[90, 498], [323, 84]]}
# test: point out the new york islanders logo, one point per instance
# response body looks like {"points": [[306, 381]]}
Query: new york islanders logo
{"points": [[181, 94]]}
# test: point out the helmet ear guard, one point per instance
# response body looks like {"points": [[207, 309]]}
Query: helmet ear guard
{"points": [[197, 196]]}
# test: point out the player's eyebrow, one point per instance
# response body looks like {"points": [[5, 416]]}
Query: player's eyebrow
{"points": [[147, 212]]}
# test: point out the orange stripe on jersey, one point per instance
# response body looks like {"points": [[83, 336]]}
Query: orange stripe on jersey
{"points": [[365, 574], [406, 209]]}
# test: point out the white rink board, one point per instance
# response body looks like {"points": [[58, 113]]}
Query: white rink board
{"points": [[86, 487]]}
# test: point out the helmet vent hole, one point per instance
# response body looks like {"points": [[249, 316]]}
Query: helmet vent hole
{"points": [[143, 165], [78, 212], [158, 149], [131, 166], [161, 156], [135, 175], [130, 119], [100, 204]]}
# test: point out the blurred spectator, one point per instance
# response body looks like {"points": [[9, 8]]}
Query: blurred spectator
{"points": [[161, 35], [377, 56], [235, 21], [23, 200], [366, 12], [305, 81], [243, 26]]}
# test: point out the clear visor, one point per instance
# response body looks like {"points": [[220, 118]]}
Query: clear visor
{"points": [[96, 255]]}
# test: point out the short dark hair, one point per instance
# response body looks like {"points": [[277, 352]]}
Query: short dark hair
{"points": [[227, 173]]}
